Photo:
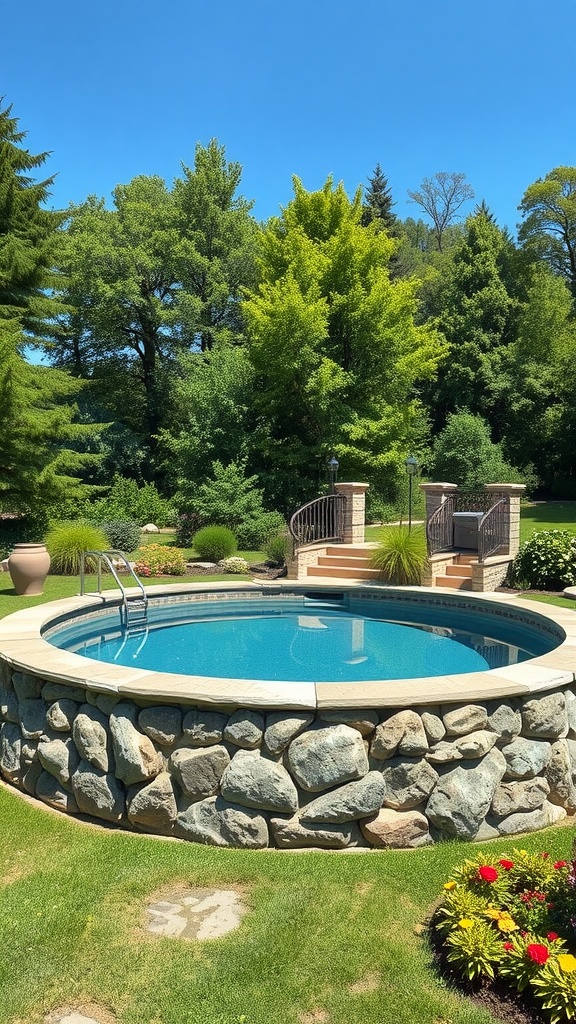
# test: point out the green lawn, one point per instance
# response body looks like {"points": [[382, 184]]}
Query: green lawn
{"points": [[547, 515]]}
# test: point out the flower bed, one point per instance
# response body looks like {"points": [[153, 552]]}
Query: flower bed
{"points": [[159, 560], [514, 919]]}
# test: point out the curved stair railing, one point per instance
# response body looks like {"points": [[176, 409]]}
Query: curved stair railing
{"points": [[319, 520], [494, 530], [440, 527], [133, 610]]}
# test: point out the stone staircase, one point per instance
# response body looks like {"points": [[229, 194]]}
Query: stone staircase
{"points": [[458, 576], [345, 562]]}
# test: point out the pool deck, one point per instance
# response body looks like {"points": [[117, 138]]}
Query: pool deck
{"points": [[22, 646]]}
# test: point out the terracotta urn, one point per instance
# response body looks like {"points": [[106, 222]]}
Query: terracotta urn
{"points": [[28, 565]]}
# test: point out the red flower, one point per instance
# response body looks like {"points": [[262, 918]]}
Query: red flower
{"points": [[552, 936], [508, 946], [561, 864], [487, 873], [545, 856], [506, 864], [539, 954]]}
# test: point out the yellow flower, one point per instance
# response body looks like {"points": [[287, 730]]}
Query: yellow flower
{"points": [[465, 922], [506, 924], [449, 885], [567, 962], [494, 914]]}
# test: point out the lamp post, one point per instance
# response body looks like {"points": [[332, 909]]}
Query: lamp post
{"points": [[411, 465], [333, 465]]}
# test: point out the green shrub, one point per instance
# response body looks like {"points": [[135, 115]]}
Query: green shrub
{"points": [[213, 543], [401, 555], [124, 535], [127, 501], [27, 528], [546, 561], [66, 543], [159, 560], [233, 500], [278, 548], [252, 531], [235, 565]]}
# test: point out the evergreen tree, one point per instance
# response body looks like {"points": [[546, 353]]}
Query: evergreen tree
{"points": [[378, 201]]}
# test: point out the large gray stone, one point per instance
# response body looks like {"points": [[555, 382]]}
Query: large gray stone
{"points": [[135, 755], [505, 720], [403, 733], [408, 783], [32, 717], [59, 757], [9, 709], [215, 822], [283, 726], [252, 781], [59, 691], [545, 717], [444, 752], [204, 728], [558, 774], [245, 729], [464, 719], [27, 687], [152, 805], [30, 775], [162, 724], [433, 726], [292, 833], [463, 796], [97, 793], [10, 751], [327, 756], [53, 793], [397, 829], [570, 698], [90, 732], [532, 821], [198, 770], [361, 719], [350, 802], [526, 758], [61, 714], [519, 797], [476, 744]]}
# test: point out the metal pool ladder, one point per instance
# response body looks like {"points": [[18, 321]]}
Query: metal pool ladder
{"points": [[133, 610]]}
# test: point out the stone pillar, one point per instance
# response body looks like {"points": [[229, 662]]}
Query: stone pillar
{"points": [[354, 511], [436, 495], [513, 492]]}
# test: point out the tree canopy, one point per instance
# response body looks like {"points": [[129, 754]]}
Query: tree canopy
{"points": [[549, 226]]}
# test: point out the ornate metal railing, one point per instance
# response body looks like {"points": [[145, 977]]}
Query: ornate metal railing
{"points": [[473, 501], [494, 531], [319, 520], [440, 527]]}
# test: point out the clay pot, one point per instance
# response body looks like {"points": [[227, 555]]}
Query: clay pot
{"points": [[28, 565]]}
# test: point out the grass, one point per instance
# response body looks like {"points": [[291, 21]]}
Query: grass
{"points": [[330, 937], [547, 515]]}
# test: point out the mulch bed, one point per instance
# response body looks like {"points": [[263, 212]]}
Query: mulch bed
{"points": [[261, 571]]}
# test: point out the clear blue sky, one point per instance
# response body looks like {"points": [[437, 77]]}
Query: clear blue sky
{"points": [[116, 88]]}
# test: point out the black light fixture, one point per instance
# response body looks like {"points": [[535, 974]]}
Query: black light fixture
{"points": [[333, 465], [411, 465]]}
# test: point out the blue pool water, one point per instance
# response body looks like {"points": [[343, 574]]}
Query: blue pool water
{"points": [[290, 638]]}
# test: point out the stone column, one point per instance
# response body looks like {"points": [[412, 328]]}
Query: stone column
{"points": [[513, 492], [354, 511], [436, 495]]}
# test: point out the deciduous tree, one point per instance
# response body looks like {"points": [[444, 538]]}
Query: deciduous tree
{"points": [[549, 227], [441, 197]]}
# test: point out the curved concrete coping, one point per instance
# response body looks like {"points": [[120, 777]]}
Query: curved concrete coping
{"points": [[23, 647]]}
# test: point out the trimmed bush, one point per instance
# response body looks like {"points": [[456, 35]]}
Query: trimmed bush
{"points": [[546, 561], [66, 543], [159, 560], [124, 535], [234, 565], [213, 543], [400, 555]]}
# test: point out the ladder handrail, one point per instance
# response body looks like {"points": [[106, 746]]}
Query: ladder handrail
{"points": [[106, 557]]}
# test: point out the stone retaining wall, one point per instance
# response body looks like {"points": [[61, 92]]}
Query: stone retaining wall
{"points": [[289, 779]]}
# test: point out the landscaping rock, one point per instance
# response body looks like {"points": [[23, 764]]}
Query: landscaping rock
{"points": [[30, 774], [476, 744], [362, 720], [163, 724], [558, 774], [402, 733], [135, 755], [545, 717], [9, 707], [58, 691], [397, 830], [548, 814], [32, 717], [198, 771], [204, 728], [10, 751], [61, 714], [245, 729], [463, 796], [505, 720], [327, 756], [152, 805], [252, 781], [433, 726], [215, 822], [292, 833], [408, 783], [570, 699], [526, 758], [355, 800], [150, 528], [27, 687], [52, 793], [444, 753], [97, 793], [90, 732], [59, 757], [519, 797], [462, 720], [282, 727]]}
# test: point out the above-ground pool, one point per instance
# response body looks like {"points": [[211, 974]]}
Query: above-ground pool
{"points": [[376, 716]]}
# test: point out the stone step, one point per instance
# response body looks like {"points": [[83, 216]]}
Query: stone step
{"points": [[455, 582], [343, 572], [352, 550], [351, 560], [459, 570], [466, 559]]}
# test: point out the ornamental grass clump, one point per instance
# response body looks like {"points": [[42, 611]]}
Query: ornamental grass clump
{"points": [[67, 542], [514, 918], [401, 555]]}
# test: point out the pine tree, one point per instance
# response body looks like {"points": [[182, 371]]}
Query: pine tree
{"points": [[378, 201]]}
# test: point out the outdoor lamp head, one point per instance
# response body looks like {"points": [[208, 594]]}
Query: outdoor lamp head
{"points": [[333, 464], [411, 465]]}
